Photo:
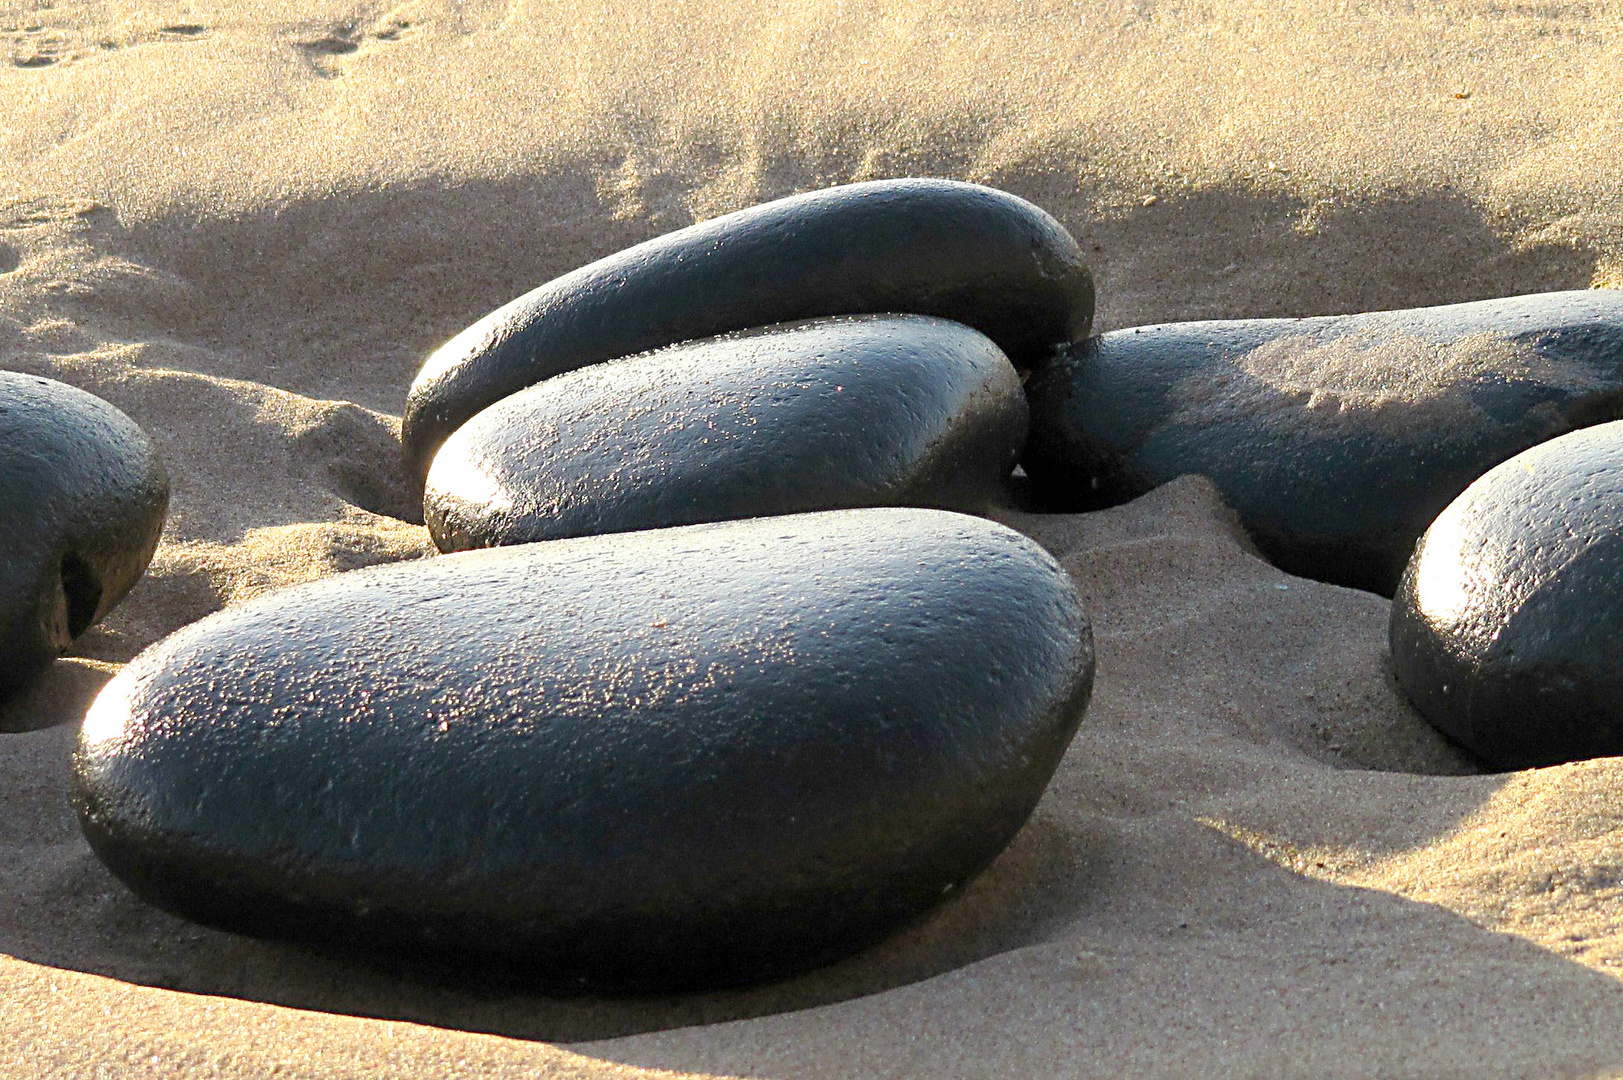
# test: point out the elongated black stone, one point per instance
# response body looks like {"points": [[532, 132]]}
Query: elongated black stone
{"points": [[1337, 439], [883, 410], [669, 758], [84, 498], [931, 247], [1507, 629]]}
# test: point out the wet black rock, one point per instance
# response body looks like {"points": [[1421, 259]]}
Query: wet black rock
{"points": [[1337, 439], [671, 758], [1507, 629], [930, 247], [84, 498], [886, 410]]}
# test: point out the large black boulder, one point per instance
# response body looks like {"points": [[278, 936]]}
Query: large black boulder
{"points": [[679, 757], [929, 247], [1337, 439], [876, 410], [1507, 629], [84, 498]]}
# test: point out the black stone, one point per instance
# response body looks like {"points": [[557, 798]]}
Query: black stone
{"points": [[84, 498], [928, 247], [1507, 629], [881, 410], [1337, 439], [680, 757]]}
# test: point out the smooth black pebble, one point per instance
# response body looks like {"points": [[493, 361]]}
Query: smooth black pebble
{"points": [[1337, 439], [84, 498], [1507, 629], [930, 247], [674, 758], [886, 410]]}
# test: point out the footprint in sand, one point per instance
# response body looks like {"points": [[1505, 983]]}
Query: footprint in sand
{"points": [[26, 221], [34, 46], [346, 39], [32, 49], [337, 43]]}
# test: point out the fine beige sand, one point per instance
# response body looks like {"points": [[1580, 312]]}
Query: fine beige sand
{"points": [[247, 224]]}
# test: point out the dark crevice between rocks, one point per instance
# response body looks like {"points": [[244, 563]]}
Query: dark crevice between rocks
{"points": [[1599, 408], [81, 592]]}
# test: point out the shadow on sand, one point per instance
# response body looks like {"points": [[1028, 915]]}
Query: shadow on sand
{"points": [[1112, 858]]}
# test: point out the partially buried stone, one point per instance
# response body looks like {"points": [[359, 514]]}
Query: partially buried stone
{"points": [[866, 411], [930, 247], [84, 498], [673, 758], [1507, 629], [1337, 439]]}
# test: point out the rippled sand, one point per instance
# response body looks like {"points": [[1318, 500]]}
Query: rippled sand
{"points": [[247, 229]]}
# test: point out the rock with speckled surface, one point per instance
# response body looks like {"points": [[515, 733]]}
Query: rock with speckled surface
{"points": [[888, 410], [84, 497], [930, 247], [1507, 629], [674, 758], [1337, 439]]}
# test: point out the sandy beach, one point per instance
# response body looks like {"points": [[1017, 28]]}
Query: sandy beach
{"points": [[246, 226]]}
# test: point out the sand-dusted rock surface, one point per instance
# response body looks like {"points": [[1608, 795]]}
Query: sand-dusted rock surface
{"points": [[660, 760], [889, 410], [926, 246], [84, 498], [248, 228], [1337, 439], [1507, 629]]}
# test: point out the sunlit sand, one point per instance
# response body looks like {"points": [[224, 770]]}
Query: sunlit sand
{"points": [[248, 225]]}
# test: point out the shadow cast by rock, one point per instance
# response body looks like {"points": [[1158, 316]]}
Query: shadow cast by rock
{"points": [[67, 911], [1085, 905], [61, 696], [446, 253], [1305, 978]]}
